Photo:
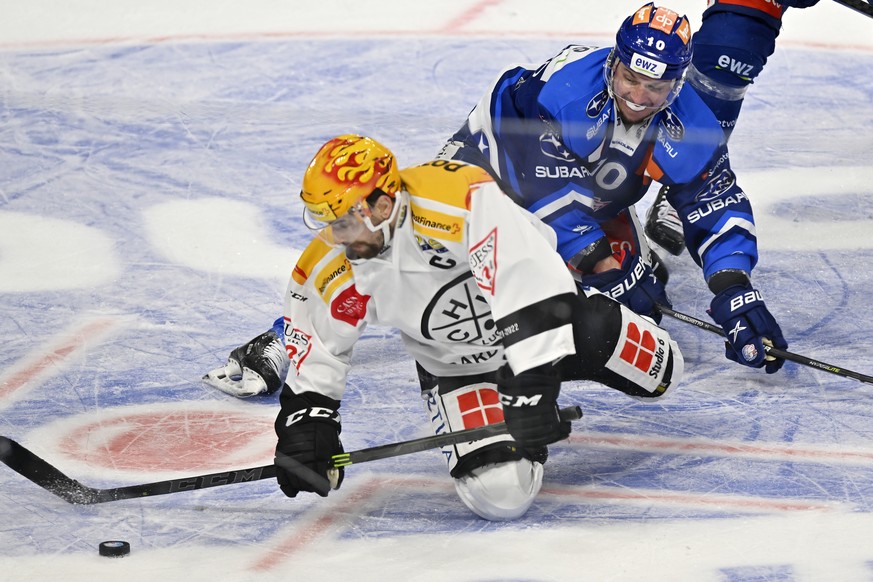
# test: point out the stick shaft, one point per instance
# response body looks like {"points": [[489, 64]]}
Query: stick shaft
{"points": [[784, 354], [858, 6], [432, 442]]}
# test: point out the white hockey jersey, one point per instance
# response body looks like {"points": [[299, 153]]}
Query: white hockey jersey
{"points": [[462, 256]]}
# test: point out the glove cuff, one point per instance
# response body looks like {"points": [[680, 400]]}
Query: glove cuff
{"points": [[528, 388], [722, 280]]}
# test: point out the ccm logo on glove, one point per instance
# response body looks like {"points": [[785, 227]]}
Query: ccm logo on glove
{"points": [[745, 299], [519, 401], [317, 412]]}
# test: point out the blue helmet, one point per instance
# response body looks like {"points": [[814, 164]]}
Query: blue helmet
{"points": [[656, 42]]}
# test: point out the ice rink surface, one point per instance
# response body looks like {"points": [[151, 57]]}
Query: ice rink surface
{"points": [[150, 157]]}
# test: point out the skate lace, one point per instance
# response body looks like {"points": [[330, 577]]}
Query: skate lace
{"points": [[668, 214], [274, 352]]}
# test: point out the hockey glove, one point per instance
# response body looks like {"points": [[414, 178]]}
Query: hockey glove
{"points": [[748, 327], [634, 284], [308, 428], [256, 367], [530, 406]]}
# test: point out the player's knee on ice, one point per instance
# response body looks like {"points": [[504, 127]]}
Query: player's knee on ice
{"points": [[501, 491], [495, 478]]}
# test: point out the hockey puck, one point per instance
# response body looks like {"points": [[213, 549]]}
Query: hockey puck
{"points": [[114, 549]]}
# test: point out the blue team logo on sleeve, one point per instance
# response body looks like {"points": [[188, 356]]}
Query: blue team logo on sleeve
{"points": [[597, 103], [717, 186], [673, 125]]}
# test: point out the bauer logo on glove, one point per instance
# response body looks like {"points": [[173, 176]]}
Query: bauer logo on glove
{"points": [[748, 326]]}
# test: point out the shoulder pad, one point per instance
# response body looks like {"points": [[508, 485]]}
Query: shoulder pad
{"points": [[445, 181], [577, 98], [327, 268], [439, 197], [688, 138]]}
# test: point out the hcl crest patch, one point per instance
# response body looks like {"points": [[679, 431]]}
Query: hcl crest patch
{"points": [[459, 312]]}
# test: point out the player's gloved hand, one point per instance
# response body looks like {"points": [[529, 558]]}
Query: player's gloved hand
{"points": [[256, 367], [798, 3], [749, 326], [530, 406], [634, 284], [308, 428]]}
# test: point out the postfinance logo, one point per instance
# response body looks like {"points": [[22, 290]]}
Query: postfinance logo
{"points": [[431, 223]]}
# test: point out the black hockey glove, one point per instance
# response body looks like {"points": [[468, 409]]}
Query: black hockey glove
{"points": [[748, 326], [308, 427], [254, 368], [530, 406], [634, 284]]}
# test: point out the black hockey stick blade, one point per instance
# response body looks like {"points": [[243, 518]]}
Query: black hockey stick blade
{"points": [[784, 354], [24, 462], [27, 464], [858, 6]]}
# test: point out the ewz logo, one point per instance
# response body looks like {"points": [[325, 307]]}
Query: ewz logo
{"points": [[649, 67]]}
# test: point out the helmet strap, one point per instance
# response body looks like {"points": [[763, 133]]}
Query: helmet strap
{"points": [[385, 227]]}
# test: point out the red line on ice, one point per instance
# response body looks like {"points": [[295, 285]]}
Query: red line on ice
{"points": [[354, 503], [764, 451], [714, 500], [55, 355], [470, 14]]}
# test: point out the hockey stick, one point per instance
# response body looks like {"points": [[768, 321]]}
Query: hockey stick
{"points": [[858, 5], [785, 355], [50, 478]]}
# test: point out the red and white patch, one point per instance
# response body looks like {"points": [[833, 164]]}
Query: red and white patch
{"points": [[349, 306], [483, 262], [479, 407], [639, 347], [641, 353], [297, 344]]}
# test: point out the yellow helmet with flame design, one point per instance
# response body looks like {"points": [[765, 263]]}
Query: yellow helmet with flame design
{"points": [[344, 172]]}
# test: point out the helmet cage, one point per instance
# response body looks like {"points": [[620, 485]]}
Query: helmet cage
{"points": [[609, 73], [348, 227]]}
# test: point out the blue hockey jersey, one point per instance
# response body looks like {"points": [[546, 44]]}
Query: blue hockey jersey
{"points": [[552, 135]]}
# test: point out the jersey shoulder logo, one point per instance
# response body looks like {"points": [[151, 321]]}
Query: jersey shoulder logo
{"points": [[349, 306], [332, 275], [673, 125], [483, 261]]}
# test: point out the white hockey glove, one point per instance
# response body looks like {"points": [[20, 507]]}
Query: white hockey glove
{"points": [[254, 368]]}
